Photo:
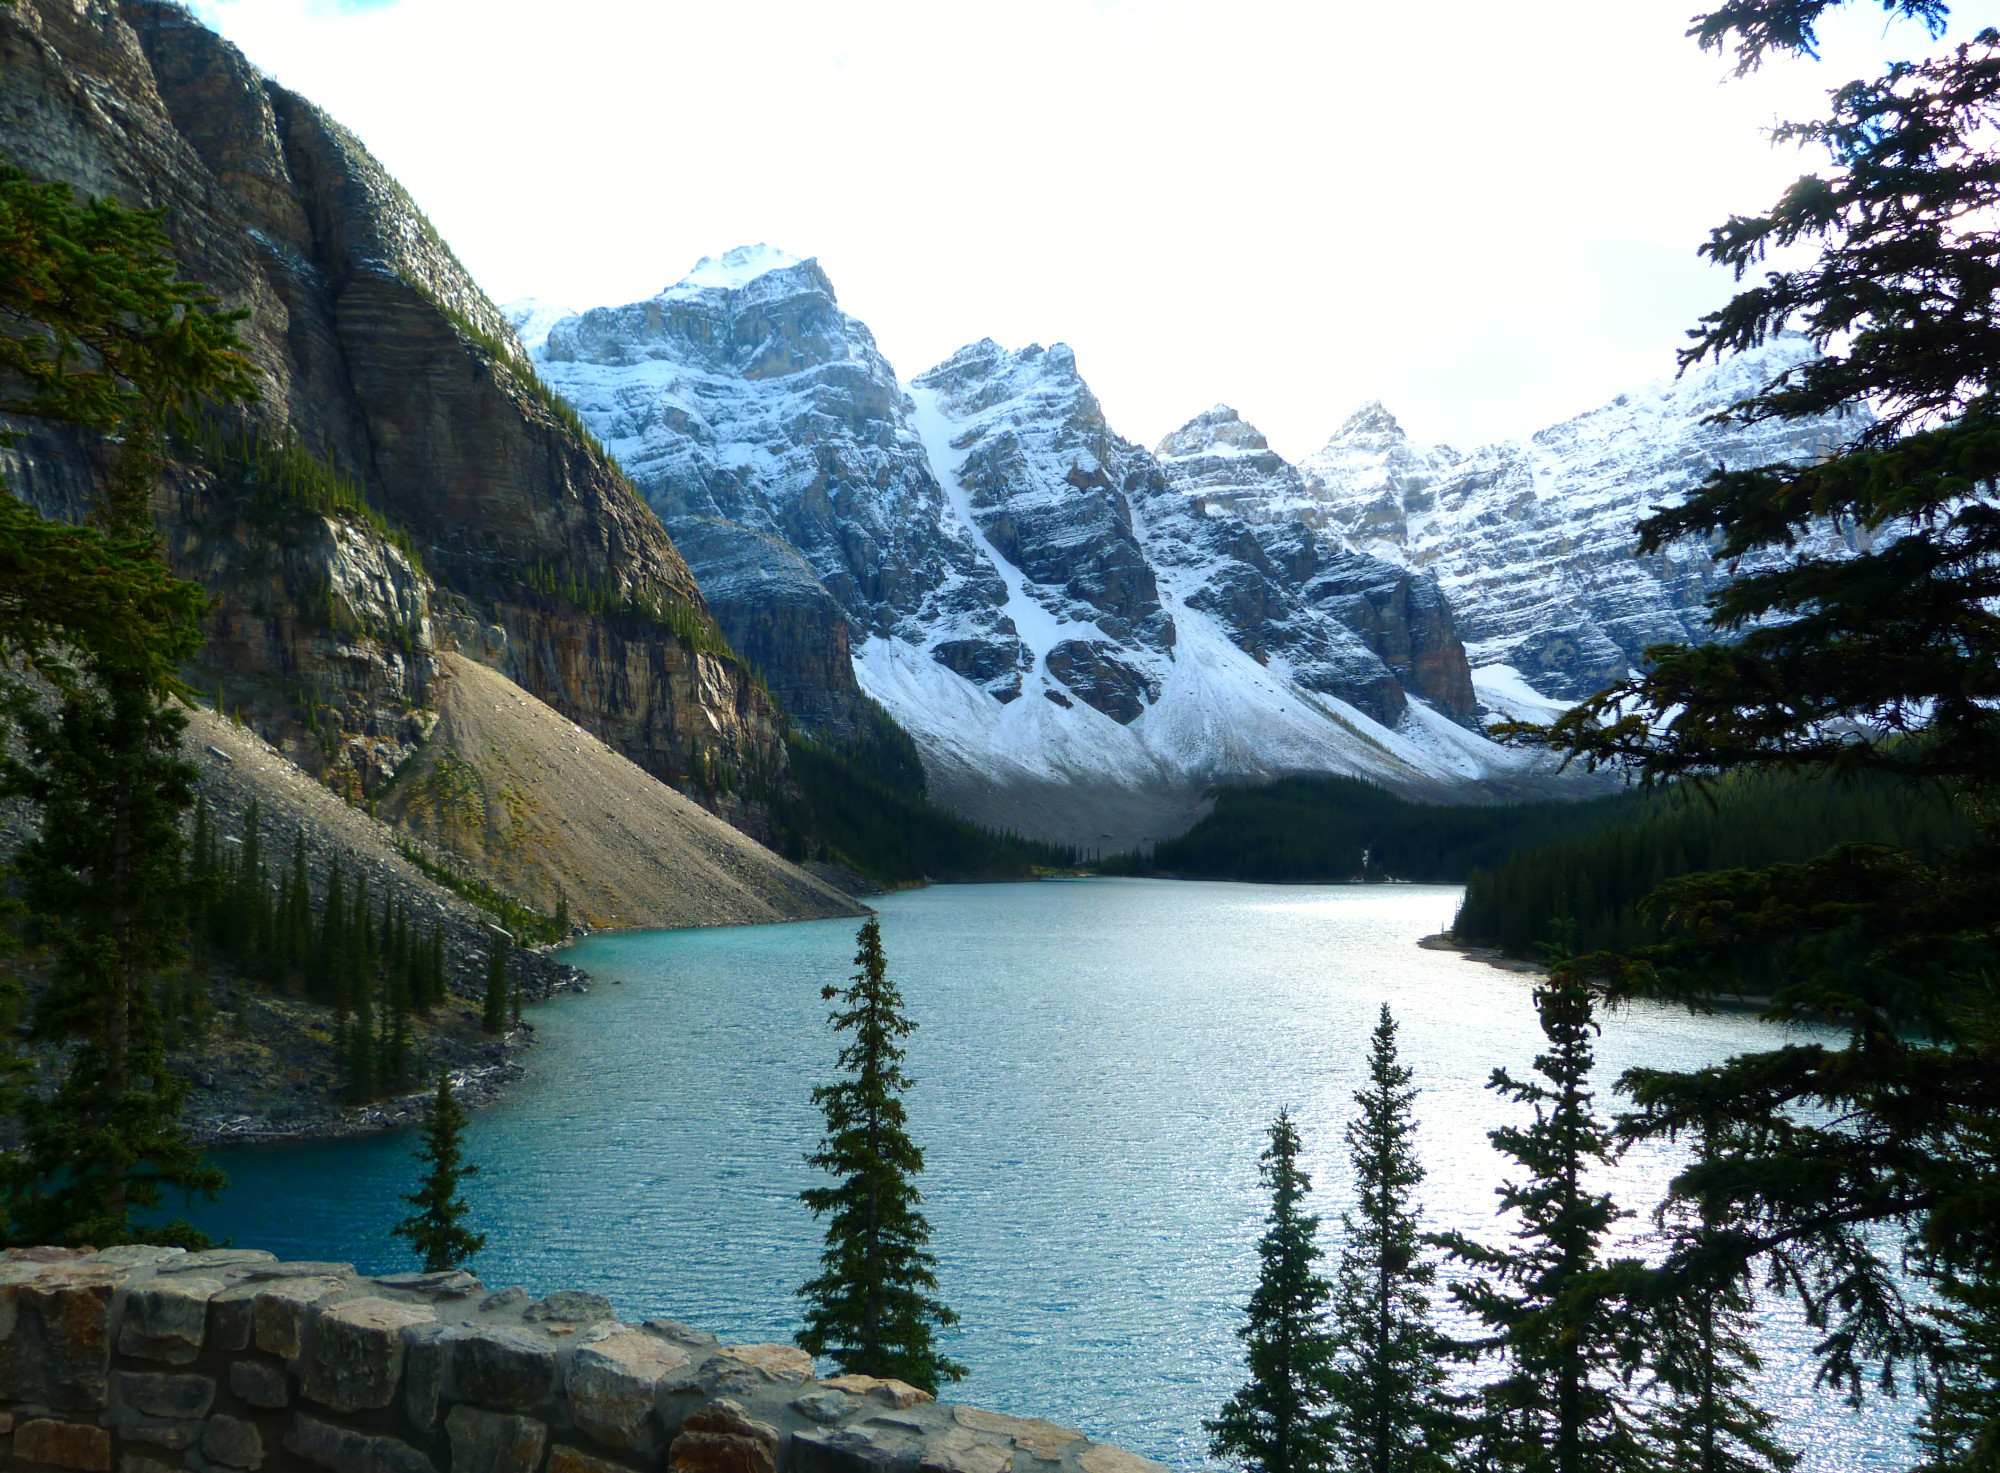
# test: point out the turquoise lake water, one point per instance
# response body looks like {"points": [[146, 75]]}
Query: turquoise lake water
{"points": [[1096, 1064]]}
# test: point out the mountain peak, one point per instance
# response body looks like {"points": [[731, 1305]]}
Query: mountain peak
{"points": [[735, 268], [1370, 419], [1218, 431]]}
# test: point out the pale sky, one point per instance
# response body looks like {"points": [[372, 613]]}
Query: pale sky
{"points": [[1484, 215]]}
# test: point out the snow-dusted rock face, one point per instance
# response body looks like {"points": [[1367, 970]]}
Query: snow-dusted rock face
{"points": [[1237, 527], [1532, 542], [1033, 467], [742, 397], [1080, 637]]}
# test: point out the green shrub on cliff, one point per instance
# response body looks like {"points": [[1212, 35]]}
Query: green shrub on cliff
{"points": [[873, 1307]]}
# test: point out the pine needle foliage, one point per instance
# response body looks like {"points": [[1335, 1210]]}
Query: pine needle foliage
{"points": [[1388, 1357], [1601, 880], [873, 1308], [1281, 1420], [97, 332], [103, 880], [375, 967], [272, 481], [437, 1230], [1876, 652], [1566, 1344]]}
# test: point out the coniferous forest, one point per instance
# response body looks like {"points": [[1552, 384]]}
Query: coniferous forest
{"points": [[1600, 878], [368, 962]]}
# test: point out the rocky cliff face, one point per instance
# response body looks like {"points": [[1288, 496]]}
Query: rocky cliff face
{"points": [[1532, 541], [744, 398], [1016, 581], [1237, 522], [381, 361]]}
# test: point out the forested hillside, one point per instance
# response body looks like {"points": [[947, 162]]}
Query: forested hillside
{"points": [[1599, 878], [1304, 829]]}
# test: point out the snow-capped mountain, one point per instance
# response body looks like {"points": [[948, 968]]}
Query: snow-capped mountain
{"points": [[1080, 635], [1532, 542]]}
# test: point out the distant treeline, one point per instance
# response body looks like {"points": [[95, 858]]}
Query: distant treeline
{"points": [[1598, 879], [1337, 828], [864, 803], [373, 965]]}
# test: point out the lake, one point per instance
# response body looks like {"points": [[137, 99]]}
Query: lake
{"points": [[1096, 1064]]}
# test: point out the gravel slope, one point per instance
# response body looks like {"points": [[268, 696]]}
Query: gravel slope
{"points": [[543, 810]]}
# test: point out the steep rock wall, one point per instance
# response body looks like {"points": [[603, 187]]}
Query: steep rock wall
{"points": [[380, 356]]}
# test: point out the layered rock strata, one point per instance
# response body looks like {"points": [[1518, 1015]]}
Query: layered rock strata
{"points": [[379, 358], [143, 1359]]}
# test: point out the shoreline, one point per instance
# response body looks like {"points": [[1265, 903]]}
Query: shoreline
{"points": [[1493, 956]]}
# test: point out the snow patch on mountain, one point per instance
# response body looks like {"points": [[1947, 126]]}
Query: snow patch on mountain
{"points": [[733, 269], [1081, 637], [531, 318]]}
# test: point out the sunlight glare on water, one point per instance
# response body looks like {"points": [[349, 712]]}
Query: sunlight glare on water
{"points": [[1096, 1065]]}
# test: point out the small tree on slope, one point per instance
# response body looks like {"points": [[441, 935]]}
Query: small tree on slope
{"points": [[1566, 1340], [872, 1308], [437, 1228], [1388, 1363], [1278, 1422]]}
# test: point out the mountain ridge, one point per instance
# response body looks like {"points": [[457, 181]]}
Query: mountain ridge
{"points": [[997, 552]]}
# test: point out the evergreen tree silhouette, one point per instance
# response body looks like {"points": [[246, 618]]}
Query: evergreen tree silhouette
{"points": [[1388, 1359], [493, 1017], [1279, 1421], [873, 1308], [1548, 1303], [437, 1230]]}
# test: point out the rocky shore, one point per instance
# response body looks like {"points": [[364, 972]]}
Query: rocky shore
{"points": [[147, 1359]]}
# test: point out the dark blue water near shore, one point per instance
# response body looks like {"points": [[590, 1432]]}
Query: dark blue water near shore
{"points": [[1096, 1063]]}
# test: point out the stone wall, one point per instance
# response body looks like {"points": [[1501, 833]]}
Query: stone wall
{"points": [[145, 1360]]}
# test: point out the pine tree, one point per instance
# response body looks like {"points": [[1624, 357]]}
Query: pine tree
{"points": [[105, 879], [1280, 1421], [437, 1230], [873, 1307], [434, 974], [327, 968], [493, 1017], [362, 1081], [1388, 1368], [1874, 651], [1565, 1339], [1703, 1417]]}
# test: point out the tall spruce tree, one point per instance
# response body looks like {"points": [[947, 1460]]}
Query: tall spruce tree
{"points": [[1566, 1340], [437, 1229], [96, 333], [1283, 1419], [1876, 651], [1388, 1357], [873, 1308]]}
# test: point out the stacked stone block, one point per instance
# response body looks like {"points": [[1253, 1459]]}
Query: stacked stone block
{"points": [[152, 1360]]}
